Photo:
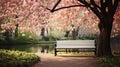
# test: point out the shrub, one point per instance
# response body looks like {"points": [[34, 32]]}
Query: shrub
{"points": [[111, 62], [23, 37], [2, 37], [56, 35], [11, 58], [85, 38]]}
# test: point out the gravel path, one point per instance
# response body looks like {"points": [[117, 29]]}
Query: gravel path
{"points": [[49, 60]]}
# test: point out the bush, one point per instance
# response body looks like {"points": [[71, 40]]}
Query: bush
{"points": [[2, 37], [23, 37], [116, 52], [11, 58], [55, 35], [85, 38], [111, 62]]}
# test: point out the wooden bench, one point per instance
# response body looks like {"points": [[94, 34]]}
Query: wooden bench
{"points": [[80, 45]]}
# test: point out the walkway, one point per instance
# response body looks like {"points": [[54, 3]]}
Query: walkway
{"points": [[49, 60]]}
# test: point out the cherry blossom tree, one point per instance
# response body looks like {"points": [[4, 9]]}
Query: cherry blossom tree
{"points": [[105, 11]]}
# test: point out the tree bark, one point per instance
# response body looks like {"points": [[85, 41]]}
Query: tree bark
{"points": [[73, 34], [42, 33], [67, 33], [16, 30], [103, 47], [7, 35]]}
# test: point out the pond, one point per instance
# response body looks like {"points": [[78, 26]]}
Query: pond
{"points": [[34, 48]]}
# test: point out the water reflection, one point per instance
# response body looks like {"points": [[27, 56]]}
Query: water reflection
{"points": [[42, 48], [35, 48]]}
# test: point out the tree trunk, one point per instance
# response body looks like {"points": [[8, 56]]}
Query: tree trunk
{"points": [[7, 35], [73, 34], [67, 33], [42, 33], [16, 30], [103, 47]]}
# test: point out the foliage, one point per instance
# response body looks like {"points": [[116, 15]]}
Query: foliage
{"points": [[2, 37], [23, 37], [85, 37], [11, 58], [116, 52], [110, 61], [56, 35]]}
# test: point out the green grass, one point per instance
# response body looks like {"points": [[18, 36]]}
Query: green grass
{"points": [[46, 42], [110, 61], [76, 53], [11, 58]]}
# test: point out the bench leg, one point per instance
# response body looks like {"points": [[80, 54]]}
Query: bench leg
{"points": [[77, 50], [66, 50], [55, 51], [95, 52]]}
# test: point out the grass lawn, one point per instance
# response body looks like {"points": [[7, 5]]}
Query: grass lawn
{"points": [[76, 53]]}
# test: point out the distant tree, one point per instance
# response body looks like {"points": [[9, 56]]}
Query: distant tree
{"points": [[23, 15]]}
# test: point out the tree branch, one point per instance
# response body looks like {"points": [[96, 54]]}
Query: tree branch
{"points": [[55, 5], [93, 3], [103, 6], [84, 2], [66, 7], [95, 8], [115, 5], [100, 11], [95, 11], [56, 9]]}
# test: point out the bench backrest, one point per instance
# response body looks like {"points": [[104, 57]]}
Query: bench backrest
{"points": [[61, 43]]}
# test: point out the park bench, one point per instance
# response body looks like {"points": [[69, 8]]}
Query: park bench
{"points": [[80, 45]]}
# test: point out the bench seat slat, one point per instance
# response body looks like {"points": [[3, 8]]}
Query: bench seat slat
{"points": [[74, 44], [76, 47]]}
